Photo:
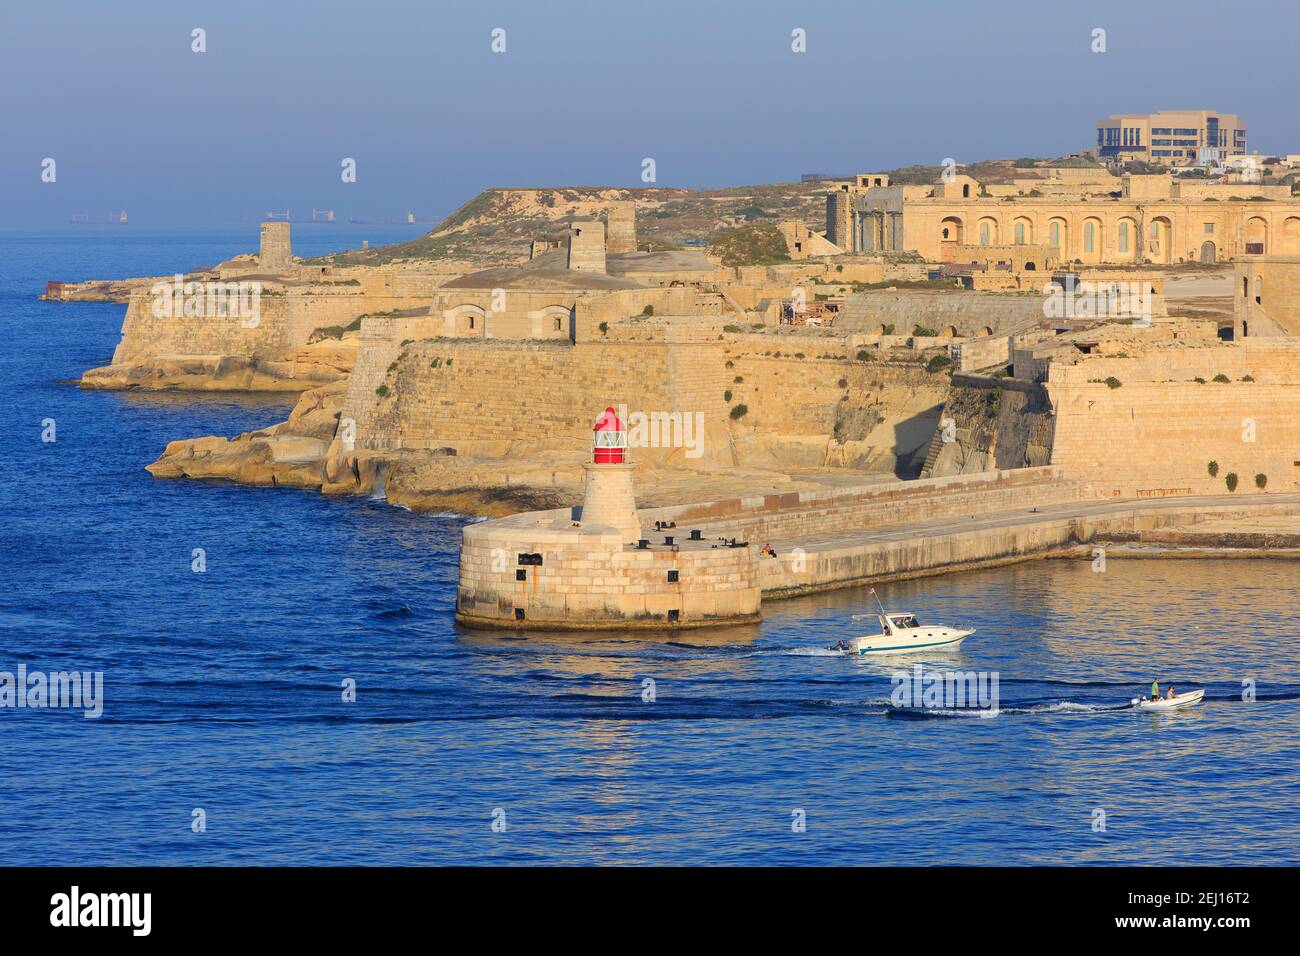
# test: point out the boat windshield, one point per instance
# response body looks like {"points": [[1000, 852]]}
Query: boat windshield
{"points": [[905, 620]]}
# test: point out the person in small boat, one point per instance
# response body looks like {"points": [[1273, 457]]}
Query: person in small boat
{"points": [[1170, 695], [1155, 690]]}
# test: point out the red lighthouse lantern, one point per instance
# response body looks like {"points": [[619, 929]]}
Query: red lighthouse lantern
{"points": [[609, 444]]}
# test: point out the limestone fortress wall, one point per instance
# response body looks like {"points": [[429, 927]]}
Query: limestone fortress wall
{"points": [[505, 396], [248, 322], [1139, 424], [1158, 431], [966, 313], [801, 400]]}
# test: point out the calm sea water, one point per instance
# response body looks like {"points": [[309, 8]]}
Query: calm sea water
{"points": [[223, 689]]}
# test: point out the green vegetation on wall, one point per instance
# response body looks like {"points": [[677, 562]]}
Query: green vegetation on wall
{"points": [[758, 244]]}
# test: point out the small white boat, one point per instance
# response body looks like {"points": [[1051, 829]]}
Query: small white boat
{"points": [[1176, 702], [903, 633]]}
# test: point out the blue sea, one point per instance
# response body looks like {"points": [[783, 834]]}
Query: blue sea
{"points": [[224, 689]]}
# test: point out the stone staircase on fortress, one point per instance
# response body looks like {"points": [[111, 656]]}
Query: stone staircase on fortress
{"points": [[932, 452]]}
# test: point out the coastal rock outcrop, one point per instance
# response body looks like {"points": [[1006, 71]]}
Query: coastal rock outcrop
{"points": [[291, 453], [308, 367]]}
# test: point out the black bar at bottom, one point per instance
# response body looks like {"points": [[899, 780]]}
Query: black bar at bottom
{"points": [[210, 905]]}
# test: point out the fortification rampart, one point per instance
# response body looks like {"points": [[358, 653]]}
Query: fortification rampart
{"points": [[1145, 425], [812, 403], [494, 396], [150, 333], [763, 399], [1158, 430], [971, 313], [209, 326]]}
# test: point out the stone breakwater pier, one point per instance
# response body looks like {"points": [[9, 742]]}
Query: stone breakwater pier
{"points": [[709, 564]]}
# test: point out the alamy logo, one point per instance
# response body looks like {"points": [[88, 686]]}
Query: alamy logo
{"points": [[192, 300], [946, 690], [74, 908], [665, 430], [58, 689], [1096, 300]]}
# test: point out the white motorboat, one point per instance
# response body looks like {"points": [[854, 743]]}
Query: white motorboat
{"points": [[903, 634], [1187, 699]]}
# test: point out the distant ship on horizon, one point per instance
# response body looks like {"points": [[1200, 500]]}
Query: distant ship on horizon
{"points": [[113, 217], [317, 215], [407, 220]]}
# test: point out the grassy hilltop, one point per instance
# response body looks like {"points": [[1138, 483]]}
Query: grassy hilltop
{"points": [[497, 224]]}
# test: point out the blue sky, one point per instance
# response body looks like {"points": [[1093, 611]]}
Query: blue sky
{"points": [[710, 89]]}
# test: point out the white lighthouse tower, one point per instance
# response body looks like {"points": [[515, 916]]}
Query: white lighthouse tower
{"points": [[609, 500]]}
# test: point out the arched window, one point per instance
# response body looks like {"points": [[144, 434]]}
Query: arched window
{"points": [[984, 234], [1020, 233], [1123, 237], [1089, 237], [1055, 233], [965, 191], [945, 232]]}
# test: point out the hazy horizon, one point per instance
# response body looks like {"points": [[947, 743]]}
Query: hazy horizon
{"points": [[414, 94]]}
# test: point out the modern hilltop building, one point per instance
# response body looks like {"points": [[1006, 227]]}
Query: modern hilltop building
{"points": [[1172, 137]]}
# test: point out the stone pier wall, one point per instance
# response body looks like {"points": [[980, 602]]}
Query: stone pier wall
{"points": [[810, 514], [846, 563]]}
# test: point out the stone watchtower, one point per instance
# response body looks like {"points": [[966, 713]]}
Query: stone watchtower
{"points": [[838, 210], [587, 245], [275, 251], [620, 224]]}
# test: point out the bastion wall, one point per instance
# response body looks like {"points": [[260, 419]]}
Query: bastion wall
{"points": [[970, 312], [285, 318], [1158, 431], [767, 400], [1151, 431], [496, 396]]}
